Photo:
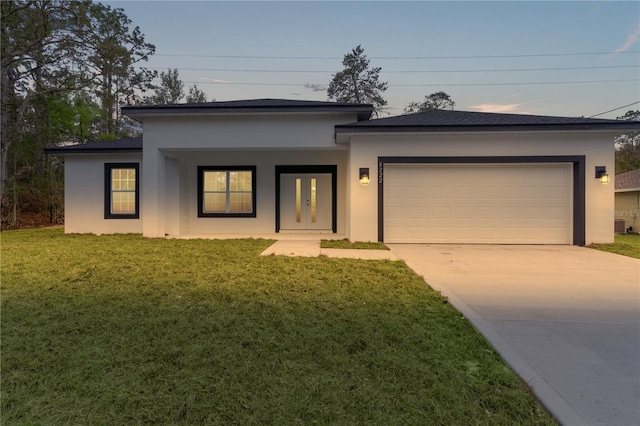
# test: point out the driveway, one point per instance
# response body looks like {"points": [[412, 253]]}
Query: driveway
{"points": [[565, 318]]}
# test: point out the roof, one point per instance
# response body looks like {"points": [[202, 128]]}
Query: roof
{"points": [[363, 111], [132, 145], [628, 181], [457, 121]]}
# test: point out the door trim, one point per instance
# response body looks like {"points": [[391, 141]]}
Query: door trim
{"points": [[578, 190], [333, 169]]}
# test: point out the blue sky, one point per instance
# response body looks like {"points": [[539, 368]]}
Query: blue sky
{"points": [[488, 56]]}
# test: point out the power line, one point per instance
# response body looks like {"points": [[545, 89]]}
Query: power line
{"points": [[422, 85], [533, 55], [398, 71], [615, 109]]}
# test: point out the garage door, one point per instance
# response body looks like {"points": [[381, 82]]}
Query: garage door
{"points": [[488, 203]]}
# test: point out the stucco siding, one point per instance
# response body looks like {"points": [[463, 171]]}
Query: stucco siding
{"points": [[85, 198], [627, 207], [365, 150], [179, 193], [233, 132]]}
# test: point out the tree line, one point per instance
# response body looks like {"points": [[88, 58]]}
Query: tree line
{"points": [[67, 67]]}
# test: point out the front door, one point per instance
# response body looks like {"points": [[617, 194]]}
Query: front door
{"points": [[305, 201]]}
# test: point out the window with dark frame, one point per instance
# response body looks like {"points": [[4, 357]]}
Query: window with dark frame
{"points": [[122, 191], [226, 191]]}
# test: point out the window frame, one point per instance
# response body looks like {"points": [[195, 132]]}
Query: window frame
{"points": [[108, 190], [203, 169]]}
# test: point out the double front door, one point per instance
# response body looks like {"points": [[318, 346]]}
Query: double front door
{"points": [[305, 201]]}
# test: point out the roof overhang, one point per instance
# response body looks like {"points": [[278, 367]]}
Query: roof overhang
{"points": [[66, 151], [343, 134], [118, 146], [139, 113]]}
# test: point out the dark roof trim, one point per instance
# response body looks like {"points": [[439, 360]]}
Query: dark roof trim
{"points": [[479, 128], [464, 121], [129, 145], [363, 111]]}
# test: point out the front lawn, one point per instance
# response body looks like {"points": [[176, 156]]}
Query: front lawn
{"points": [[358, 245], [127, 330], [627, 245]]}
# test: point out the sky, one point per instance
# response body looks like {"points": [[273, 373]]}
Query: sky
{"points": [[571, 58]]}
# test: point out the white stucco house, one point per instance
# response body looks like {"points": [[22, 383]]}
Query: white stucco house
{"points": [[271, 166]]}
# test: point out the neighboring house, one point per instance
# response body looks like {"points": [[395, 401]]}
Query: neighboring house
{"points": [[270, 166], [627, 199]]}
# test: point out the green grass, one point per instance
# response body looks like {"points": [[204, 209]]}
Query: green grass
{"points": [[127, 330], [358, 245], [627, 245]]}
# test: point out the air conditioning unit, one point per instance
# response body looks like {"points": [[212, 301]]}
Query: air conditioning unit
{"points": [[618, 226]]}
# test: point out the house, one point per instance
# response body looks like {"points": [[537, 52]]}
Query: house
{"points": [[283, 166], [627, 200]]}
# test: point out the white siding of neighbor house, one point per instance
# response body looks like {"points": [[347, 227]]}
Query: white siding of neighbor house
{"points": [[175, 146], [627, 208], [365, 150], [84, 195]]}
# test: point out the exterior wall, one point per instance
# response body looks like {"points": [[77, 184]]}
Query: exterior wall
{"points": [[180, 211], [175, 146], [627, 207], [243, 132], [365, 150], [84, 196]]}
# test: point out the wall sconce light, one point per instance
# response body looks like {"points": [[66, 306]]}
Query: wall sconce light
{"points": [[364, 175], [601, 173]]}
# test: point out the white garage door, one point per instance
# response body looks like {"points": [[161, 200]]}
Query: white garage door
{"points": [[488, 203]]}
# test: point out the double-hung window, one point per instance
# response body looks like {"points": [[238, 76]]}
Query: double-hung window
{"points": [[122, 191], [227, 191]]}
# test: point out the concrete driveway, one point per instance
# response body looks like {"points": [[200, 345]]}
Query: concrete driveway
{"points": [[565, 318]]}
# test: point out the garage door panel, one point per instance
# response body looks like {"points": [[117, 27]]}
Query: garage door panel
{"points": [[396, 213], [497, 203], [486, 212]]}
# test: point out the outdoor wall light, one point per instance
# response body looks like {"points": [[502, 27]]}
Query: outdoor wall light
{"points": [[601, 173], [364, 175]]}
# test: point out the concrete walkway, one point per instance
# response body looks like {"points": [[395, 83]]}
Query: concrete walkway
{"points": [[311, 248], [565, 318]]}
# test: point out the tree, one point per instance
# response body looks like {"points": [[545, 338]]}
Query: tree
{"points": [[628, 146], [358, 83], [196, 95], [170, 90], [113, 51], [437, 100], [40, 48], [60, 61]]}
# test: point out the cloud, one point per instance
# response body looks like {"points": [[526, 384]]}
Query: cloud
{"points": [[495, 107], [631, 40], [315, 87], [214, 80]]}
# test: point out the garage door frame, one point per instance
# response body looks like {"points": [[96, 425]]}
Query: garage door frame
{"points": [[578, 190]]}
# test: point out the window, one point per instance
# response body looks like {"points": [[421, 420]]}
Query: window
{"points": [[122, 191], [226, 191]]}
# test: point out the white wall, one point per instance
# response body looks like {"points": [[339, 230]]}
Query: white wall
{"points": [[84, 196], [181, 199], [260, 140], [241, 132], [365, 150]]}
